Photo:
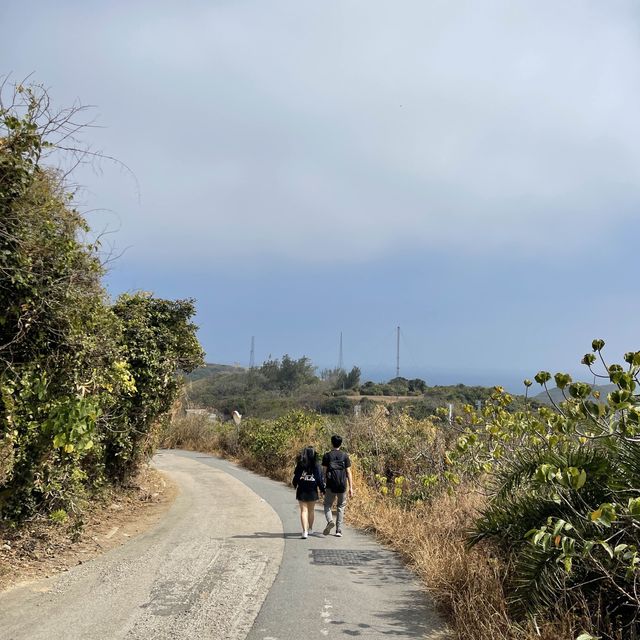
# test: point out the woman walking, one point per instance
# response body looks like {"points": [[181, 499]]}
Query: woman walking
{"points": [[307, 480]]}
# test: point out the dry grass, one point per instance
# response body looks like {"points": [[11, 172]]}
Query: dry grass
{"points": [[194, 433], [467, 584]]}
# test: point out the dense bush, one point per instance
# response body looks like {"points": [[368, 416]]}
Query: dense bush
{"points": [[274, 444], [81, 380], [337, 406], [395, 387]]}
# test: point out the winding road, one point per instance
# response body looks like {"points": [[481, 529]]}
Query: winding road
{"points": [[227, 563]]}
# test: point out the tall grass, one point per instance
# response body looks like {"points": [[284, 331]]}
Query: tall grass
{"points": [[467, 583], [194, 433]]}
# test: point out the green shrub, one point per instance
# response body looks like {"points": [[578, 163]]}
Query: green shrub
{"points": [[82, 381], [337, 406], [271, 443]]}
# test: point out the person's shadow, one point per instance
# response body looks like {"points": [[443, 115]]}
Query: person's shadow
{"points": [[268, 534]]}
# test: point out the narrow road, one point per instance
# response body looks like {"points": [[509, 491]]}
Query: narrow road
{"points": [[226, 563]]}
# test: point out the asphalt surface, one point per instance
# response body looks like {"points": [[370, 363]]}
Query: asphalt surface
{"points": [[227, 563]]}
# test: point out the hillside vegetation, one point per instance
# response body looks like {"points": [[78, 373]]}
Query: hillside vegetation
{"points": [[279, 386], [83, 379], [524, 521]]}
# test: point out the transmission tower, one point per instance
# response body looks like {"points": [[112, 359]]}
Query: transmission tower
{"points": [[252, 354], [340, 359]]}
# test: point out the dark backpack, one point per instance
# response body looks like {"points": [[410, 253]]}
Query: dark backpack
{"points": [[337, 475]]}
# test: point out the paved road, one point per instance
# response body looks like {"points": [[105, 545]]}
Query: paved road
{"points": [[226, 563]]}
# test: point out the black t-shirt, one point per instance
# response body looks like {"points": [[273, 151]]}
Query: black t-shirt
{"points": [[336, 455]]}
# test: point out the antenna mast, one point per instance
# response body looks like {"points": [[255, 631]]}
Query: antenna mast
{"points": [[398, 354], [252, 359], [340, 360]]}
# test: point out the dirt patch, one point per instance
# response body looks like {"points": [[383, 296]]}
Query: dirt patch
{"points": [[42, 548]]}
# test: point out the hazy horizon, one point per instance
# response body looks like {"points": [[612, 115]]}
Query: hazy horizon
{"points": [[512, 381]]}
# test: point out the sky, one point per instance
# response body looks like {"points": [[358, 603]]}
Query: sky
{"points": [[467, 171]]}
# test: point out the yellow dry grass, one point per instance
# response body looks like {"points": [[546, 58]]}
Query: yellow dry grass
{"points": [[465, 582]]}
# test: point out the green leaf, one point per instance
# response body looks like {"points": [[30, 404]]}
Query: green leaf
{"points": [[579, 390], [568, 563], [605, 514], [618, 398], [597, 345], [634, 506], [59, 440], [632, 358], [542, 377], [562, 380]]}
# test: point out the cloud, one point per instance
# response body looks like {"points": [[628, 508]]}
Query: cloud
{"points": [[349, 131]]}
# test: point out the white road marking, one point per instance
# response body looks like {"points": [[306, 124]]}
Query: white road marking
{"points": [[325, 614]]}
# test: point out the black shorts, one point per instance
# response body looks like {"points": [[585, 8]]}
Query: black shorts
{"points": [[307, 496]]}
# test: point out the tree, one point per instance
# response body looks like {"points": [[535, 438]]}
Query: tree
{"points": [[158, 342], [348, 380], [289, 374]]}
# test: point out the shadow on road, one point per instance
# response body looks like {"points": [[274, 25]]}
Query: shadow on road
{"points": [[407, 617], [268, 534]]}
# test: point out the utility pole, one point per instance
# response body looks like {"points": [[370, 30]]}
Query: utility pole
{"points": [[252, 354], [398, 354]]}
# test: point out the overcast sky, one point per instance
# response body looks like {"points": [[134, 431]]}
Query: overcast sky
{"points": [[469, 171]]}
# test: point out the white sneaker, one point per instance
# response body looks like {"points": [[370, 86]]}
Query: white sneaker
{"points": [[304, 535]]}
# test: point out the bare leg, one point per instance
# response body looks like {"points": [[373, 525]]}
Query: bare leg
{"points": [[304, 515], [312, 513]]}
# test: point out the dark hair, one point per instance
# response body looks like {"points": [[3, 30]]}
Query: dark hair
{"points": [[336, 441], [308, 459]]}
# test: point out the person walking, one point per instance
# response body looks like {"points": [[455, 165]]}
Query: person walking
{"points": [[307, 480], [339, 481]]}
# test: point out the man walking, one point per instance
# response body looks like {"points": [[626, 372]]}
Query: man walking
{"points": [[338, 479]]}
